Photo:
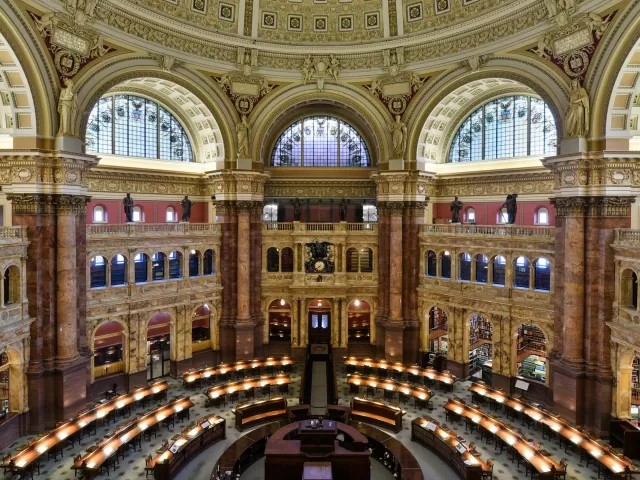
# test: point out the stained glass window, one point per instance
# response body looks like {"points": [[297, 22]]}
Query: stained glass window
{"points": [[320, 141], [514, 126], [136, 127]]}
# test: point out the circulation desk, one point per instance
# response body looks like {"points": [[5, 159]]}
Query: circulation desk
{"points": [[58, 437], [445, 443], [261, 411], [194, 439], [377, 413]]}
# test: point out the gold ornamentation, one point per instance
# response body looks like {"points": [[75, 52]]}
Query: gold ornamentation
{"points": [[245, 91], [396, 90]]}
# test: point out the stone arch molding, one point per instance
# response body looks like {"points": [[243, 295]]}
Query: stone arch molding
{"points": [[269, 119], [197, 103], [439, 109]]}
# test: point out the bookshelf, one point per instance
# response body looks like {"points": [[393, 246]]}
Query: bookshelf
{"points": [[533, 367], [531, 338], [359, 327], [437, 319], [479, 356], [480, 328], [280, 326]]}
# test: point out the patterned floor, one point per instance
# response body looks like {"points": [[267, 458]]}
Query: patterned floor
{"points": [[200, 468]]}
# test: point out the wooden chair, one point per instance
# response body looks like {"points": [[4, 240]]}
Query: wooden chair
{"points": [[389, 394], [354, 389], [6, 459], [487, 474], [148, 466]]}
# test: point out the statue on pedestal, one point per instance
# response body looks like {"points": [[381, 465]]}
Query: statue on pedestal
{"points": [[128, 207], [186, 208], [399, 135], [578, 111], [67, 107], [343, 210], [512, 208], [297, 209], [455, 208], [242, 129]]}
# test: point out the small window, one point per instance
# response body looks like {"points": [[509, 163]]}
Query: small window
{"points": [[137, 214], [503, 216], [431, 262], [99, 214], [471, 215], [465, 267], [543, 216], [270, 213], [521, 277], [499, 270], [445, 265], [170, 215], [369, 213]]}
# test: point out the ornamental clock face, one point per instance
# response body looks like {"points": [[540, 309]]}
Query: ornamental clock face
{"points": [[319, 266]]}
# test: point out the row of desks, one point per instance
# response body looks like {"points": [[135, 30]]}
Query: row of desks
{"points": [[40, 447], [443, 377], [599, 452], [463, 458], [539, 459], [224, 368], [421, 393], [241, 385], [91, 463]]}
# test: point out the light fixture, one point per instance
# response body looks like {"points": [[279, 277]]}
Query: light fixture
{"points": [[282, 301], [192, 252], [357, 303], [319, 303]]}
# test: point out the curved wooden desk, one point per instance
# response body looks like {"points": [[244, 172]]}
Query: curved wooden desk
{"points": [[421, 393], [445, 377], [400, 460], [224, 368], [241, 385], [377, 413]]}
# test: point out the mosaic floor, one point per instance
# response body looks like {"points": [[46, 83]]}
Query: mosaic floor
{"points": [[200, 468]]}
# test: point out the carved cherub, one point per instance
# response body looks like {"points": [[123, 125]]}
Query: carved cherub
{"points": [[307, 69]]}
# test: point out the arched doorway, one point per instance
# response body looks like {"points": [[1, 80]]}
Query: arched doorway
{"points": [[158, 346], [279, 329], [438, 329], [359, 327], [319, 321], [480, 348], [201, 329], [108, 351], [531, 354]]}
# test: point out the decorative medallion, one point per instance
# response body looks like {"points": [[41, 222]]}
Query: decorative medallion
{"points": [[245, 91], [269, 20], [199, 6], [226, 12], [442, 6], [414, 12], [345, 23], [320, 23], [371, 20], [294, 23], [396, 91]]}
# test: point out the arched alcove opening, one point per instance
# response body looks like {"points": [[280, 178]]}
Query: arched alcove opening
{"points": [[359, 322], [158, 346], [280, 321], [201, 329], [108, 350], [531, 354], [438, 331], [481, 348]]}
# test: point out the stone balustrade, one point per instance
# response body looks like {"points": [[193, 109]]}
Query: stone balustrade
{"points": [[13, 234], [150, 230], [304, 227], [501, 231], [627, 236]]}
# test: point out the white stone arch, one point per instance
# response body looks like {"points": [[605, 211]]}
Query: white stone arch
{"points": [[125, 341], [424, 322], [623, 387]]}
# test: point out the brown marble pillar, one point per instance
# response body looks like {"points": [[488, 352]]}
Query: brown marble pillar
{"points": [[225, 211], [245, 327], [256, 279], [383, 277], [394, 327], [412, 221]]}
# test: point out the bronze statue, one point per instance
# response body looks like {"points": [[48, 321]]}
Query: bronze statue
{"points": [[512, 208], [455, 208], [297, 209], [186, 208], [128, 207], [343, 210]]}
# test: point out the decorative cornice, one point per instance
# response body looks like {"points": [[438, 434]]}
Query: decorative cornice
{"points": [[592, 206]]}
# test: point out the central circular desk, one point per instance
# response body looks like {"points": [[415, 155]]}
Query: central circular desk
{"points": [[301, 448]]}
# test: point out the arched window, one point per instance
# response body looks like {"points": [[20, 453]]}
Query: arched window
{"points": [[137, 214], [273, 260], [366, 260], [464, 272], [118, 270], [445, 265], [503, 216], [542, 275], [99, 215], [209, 263], [175, 265], [514, 126], [170, 215], [499, 270], [352, 260], [482, 269], [194, 263], [157, 266], [542, 216], [629, 289], [270, 213], [521, 271], [98, 272], [320, 141], [11, 285], [140, 267], [133, 126], [471, 215], [286, 260], [430, 264]]}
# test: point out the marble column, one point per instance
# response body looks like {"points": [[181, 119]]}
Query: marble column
{"points": [[394, 328], [245, 328], [383, 277], [413, 221], [227, 265]]}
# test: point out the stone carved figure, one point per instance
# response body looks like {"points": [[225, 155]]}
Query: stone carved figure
{"points": [[512, 207], [552, 7], [578, 112], [307, 69], [67, 107], [334, 67], [45, 23], [297, 209], [375, 87], [242, 130], [455, 208], [343, 210], [399, 134], [264, 86], [128, 207], [186, 208], [97, 48]]}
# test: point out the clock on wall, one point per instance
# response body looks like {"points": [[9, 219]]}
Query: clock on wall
{"points": [[319, 257]]}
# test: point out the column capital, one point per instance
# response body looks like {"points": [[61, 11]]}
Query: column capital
{"points": [[394, 209], [38, 204], [599, 206], [244, 207]]}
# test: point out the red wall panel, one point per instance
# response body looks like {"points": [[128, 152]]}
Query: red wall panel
{"points": [[153, 211], [487, 212]]}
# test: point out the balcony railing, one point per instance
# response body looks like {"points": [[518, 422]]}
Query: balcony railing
{"points": [[501, 231], [627, 236], [151, 229], [13, 234], [319, 227]]}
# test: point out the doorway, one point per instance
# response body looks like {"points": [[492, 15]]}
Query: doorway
{"points": [[320, 322]]}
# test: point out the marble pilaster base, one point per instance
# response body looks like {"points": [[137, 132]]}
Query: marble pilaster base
{"points": [[460, 370], [568, 392], [393, 342], [70, 388]]}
